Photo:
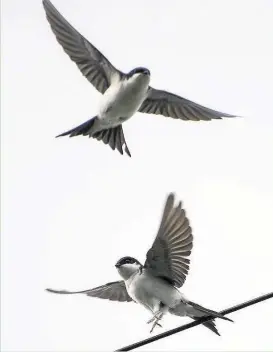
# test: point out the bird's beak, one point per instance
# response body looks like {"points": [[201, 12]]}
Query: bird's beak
{"points": [[117, 265]]}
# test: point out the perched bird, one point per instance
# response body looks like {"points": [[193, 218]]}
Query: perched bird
{"points": [[123, 93], [155, 284]]}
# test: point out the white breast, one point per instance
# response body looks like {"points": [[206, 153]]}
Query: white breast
{"points": [[123, 98], [147, 289]]}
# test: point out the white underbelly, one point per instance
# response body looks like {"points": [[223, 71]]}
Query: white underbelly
{"points": [[121, 102], [143, 297], [148, 289]]}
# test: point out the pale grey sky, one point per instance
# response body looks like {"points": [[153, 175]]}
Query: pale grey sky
{"points": [[72, 207]]}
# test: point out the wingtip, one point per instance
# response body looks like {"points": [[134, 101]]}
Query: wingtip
{"points": [[46, 2], [171, 197], [56, 291], [231, 116]]}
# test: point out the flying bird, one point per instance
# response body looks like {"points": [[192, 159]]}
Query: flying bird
{"points": [[123, 93], [155, 284]]}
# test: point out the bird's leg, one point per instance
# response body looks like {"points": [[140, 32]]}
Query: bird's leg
{"points": [[157, 316], [162, 309], [154, 325]]}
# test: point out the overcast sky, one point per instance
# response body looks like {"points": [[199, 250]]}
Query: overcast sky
{"points": [[72, 207]]}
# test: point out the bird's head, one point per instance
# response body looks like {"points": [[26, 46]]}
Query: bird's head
{"points": [[127, 266], [139, 71]]}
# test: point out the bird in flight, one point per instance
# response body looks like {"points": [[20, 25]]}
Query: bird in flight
{"points": [[155, 284], [123, 93]]}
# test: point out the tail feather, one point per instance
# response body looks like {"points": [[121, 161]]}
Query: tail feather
{"points": [[112, 136], [210, 325], [195, 311], [83, 129], [181, 310], [208, 311]]}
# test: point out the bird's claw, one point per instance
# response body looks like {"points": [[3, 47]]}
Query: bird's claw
{"points": [[151, 320], [154, 325], [155, 319]]}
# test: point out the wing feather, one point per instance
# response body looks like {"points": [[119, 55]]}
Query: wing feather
{"points": [[160, 102], [114, 291], [174, 242], [92, 63]]}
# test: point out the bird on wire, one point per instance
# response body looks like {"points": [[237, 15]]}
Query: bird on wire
{"points": [[155, 284], [123, 93]]}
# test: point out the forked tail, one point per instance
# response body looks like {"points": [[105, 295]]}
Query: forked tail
{"points": [[195, 311], [112, 136]]}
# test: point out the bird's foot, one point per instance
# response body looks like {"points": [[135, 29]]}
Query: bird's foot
{"points": [[154, 325], [157, 316]]}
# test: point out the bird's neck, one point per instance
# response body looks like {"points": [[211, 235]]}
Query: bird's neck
{"points": [[126, 271], [139, 81]]}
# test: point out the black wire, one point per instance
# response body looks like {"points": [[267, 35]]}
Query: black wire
{"points": [[195, 323]]}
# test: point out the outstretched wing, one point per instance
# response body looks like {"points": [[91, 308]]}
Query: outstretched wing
{"points": [[160, 102], [93, 65], [114, 291], [168, 256]]}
